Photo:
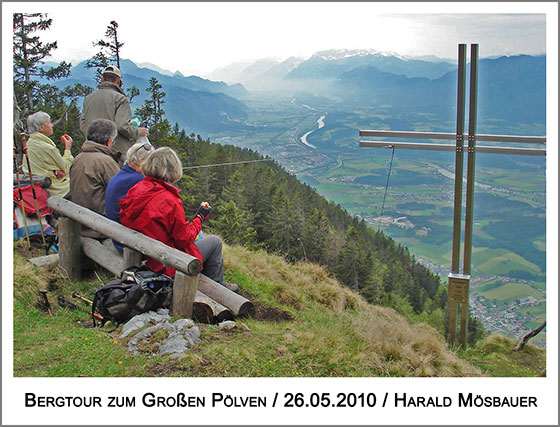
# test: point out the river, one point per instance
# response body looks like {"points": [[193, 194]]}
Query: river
{"points": [[320, 124]]}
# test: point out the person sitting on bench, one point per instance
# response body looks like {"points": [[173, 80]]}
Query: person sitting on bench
{"points": [[126, 178], [93, 168], [44, 157], [154, 208]]}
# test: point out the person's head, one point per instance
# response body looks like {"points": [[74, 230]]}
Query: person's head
{"points": [[137, 154], [40, 122], [163, 164], [102, 131], [112, 74]]}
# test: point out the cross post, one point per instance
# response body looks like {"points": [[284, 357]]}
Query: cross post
{"points": [[458, 283]]}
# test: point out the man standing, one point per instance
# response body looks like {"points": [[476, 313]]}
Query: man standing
{"points": [[110, 102], [93, 168]]}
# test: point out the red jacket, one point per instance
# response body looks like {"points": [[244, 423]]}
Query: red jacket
{"points": [[153, 207]]}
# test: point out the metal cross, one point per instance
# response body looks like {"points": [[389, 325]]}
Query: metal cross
{"points": [[458, 283]]}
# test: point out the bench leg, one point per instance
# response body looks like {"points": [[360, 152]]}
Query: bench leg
{"points": [[131, 257], [70, 247], [184, 292]]}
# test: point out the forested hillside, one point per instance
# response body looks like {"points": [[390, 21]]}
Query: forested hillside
{"points": [[259, 205]]}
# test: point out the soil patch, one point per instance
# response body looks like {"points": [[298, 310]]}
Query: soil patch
{"points": [[37, 250], [271, 314]]}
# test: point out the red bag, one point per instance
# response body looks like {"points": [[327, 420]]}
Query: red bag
{"points": [[29, 202]]}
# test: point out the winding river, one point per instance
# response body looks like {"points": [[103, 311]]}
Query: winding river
{"points": [[320, 124]]}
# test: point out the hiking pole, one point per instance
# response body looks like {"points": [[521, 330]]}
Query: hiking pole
{"points": [[24, 145], [64, 303], [43, 293], [77, 295], [21, 202]]}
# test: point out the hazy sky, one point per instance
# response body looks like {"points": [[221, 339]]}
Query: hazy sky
{"points": [[196, 38]]}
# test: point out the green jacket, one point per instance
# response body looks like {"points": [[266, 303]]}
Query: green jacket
{"points": [[45, 158], [110, 102]]}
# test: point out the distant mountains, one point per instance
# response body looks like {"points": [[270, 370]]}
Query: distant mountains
{"points": [[197, 104], [295, 73], [512, 88], [509, 88]]}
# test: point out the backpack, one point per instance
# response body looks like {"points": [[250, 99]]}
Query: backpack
{"points": [[138, 290], [30, 224]]}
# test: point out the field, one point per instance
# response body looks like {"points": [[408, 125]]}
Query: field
{"points": [[414, 204]]}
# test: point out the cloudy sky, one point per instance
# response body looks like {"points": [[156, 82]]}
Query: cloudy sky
{"points": [[197, 38]]}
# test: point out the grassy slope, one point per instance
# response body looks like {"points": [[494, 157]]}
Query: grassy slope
{"points": [[333, 332]]}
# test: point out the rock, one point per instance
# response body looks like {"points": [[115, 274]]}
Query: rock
{"points": [[227, 324], [182, 334], [141, 320]]}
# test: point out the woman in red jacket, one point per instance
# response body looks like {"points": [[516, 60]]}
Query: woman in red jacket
{"points": [[153, 207]]}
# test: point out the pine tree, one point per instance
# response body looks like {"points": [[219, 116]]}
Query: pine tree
{"points": [[152, 111], [29, 53], [109, 52], [352, 266], [233, 226], [316, 237]]}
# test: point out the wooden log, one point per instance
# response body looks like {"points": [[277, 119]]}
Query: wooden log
{"points": [[43, 181], [202, 311], [45, 260], [102, 255], [69, 247], [184, 292], [238, 305], [133, 239], [206, 310]]}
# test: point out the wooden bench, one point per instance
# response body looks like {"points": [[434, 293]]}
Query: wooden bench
{"points": [[194, 295]]}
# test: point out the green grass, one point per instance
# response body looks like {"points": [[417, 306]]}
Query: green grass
{"points": [[512, 291], [325, 330], [495, 356], [500, 262]]}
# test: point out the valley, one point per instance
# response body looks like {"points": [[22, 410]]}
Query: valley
{"points": [[319, 143]]}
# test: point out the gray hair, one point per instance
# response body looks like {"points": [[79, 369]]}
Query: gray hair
{"points": [[36, 121], [163, 164], [100, 130], [138, 152]]}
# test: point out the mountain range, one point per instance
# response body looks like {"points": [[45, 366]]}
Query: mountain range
{"points": [[196, 104], [510, 88]]}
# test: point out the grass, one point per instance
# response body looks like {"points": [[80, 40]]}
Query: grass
{"points": [[495, 357], [501, 261], [326, 331], [512, 291]]}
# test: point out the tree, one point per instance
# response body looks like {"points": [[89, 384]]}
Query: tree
{"points": [[316, 237], [352, 266], [29, 53], [152, 111], [234, 226], [109, 52]]}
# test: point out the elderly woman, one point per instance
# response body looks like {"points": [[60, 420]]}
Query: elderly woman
{"points": [[126, 178], [44, 157], [154, 208]]}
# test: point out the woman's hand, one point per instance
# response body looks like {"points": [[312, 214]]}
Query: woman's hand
{"points": [[203, 211], [67, 140]]}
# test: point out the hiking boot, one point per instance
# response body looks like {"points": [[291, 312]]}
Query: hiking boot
{"points": [[231, 286]]}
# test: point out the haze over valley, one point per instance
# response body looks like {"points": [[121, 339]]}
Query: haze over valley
{"points": [[306, 114]]}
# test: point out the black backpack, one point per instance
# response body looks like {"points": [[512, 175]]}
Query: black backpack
{"points": [[139, 290]]}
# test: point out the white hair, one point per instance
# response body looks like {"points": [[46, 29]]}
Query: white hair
{"points": [[164, 164], [138, 152], [36, 121]]}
